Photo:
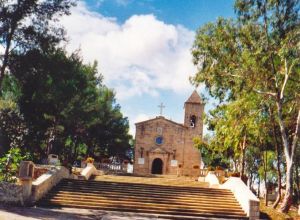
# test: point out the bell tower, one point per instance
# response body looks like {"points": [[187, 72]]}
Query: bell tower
{"points": [[193, 117]]}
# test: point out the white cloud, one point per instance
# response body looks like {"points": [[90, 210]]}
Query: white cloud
{"points": [[140, 56]]}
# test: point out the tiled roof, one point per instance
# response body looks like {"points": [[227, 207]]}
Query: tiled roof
{"points": [[194, 98]]}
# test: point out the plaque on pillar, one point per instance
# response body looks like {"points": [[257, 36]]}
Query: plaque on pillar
{"points": [[173, 163], [141, 161]]}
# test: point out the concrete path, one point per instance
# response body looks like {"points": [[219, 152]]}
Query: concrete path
{"points": [[36, 213]]}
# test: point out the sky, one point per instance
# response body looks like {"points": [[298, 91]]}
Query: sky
{"points": [[143, 50]]}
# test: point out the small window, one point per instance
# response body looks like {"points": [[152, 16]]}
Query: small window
{"points": [[193, 121], [159, 140]]}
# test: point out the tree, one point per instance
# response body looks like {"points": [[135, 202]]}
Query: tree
{"points": [[28, 24], [237, 125], [211, 155], [67, 108], [260, 53]]}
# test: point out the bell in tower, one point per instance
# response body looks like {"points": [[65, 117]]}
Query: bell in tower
{"points": [[194, 108]]}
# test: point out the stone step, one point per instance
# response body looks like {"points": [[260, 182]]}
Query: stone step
{"points": [[147, 194], [178, 201], [183, 203], [146, 206], [158, 182], [172, 213], [145, 187], [199, 185], [158, 206], [199, 198], [146, 190]]}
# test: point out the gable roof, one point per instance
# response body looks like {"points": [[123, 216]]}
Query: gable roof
{"points": [[163, 118], [194, 98]]}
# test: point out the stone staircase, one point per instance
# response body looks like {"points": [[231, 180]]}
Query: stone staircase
{"points": [[156, 197]]}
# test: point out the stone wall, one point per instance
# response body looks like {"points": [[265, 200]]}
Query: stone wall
{"points": [[175, 140], [46, 181], [11, 193]]}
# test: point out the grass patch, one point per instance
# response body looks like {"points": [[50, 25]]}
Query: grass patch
{"points": [[267, 212]]}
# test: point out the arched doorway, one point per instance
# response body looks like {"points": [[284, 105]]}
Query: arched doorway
{"points": [[157, 166]]}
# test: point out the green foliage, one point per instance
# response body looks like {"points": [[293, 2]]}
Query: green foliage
{"points": [[51, 102], [13, 128], [9, 165], [29, 24], [210, 156], [268, 166], [68, 110], [252, 65]]}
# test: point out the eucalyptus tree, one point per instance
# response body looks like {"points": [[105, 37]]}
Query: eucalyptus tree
{"points": [[237, 125], [259, 52]]}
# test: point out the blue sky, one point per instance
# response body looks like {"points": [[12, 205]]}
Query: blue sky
{"points": [[143, 49]]}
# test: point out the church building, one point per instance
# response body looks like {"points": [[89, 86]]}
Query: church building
{"points": [[166, 147]]}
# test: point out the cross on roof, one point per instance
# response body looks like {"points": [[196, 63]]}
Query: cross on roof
{"points": [[161, 106]]}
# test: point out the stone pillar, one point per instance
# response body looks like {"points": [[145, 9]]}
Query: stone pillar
{"points": [[27, 188], [26, 173]]}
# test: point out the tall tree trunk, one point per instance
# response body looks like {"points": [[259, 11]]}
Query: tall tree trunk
{"points": [[243, 156], [289, 151], [279, 180], [288, 148], [265, 177], [278, 159], [297, 182], [250, 180], [258, 190], [287, 201]]}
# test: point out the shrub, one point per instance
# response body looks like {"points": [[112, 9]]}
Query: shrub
{"points": [[9, 165]]}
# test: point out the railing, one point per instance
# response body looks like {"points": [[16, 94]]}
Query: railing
{"points": [[109, 167], [203, 172], [220, 173]]}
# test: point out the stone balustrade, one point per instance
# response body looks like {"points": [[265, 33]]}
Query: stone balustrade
{"points": [[203, 172], [248, 201], [88, 171], [112, 168], [212, 179], [45, 182]]}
